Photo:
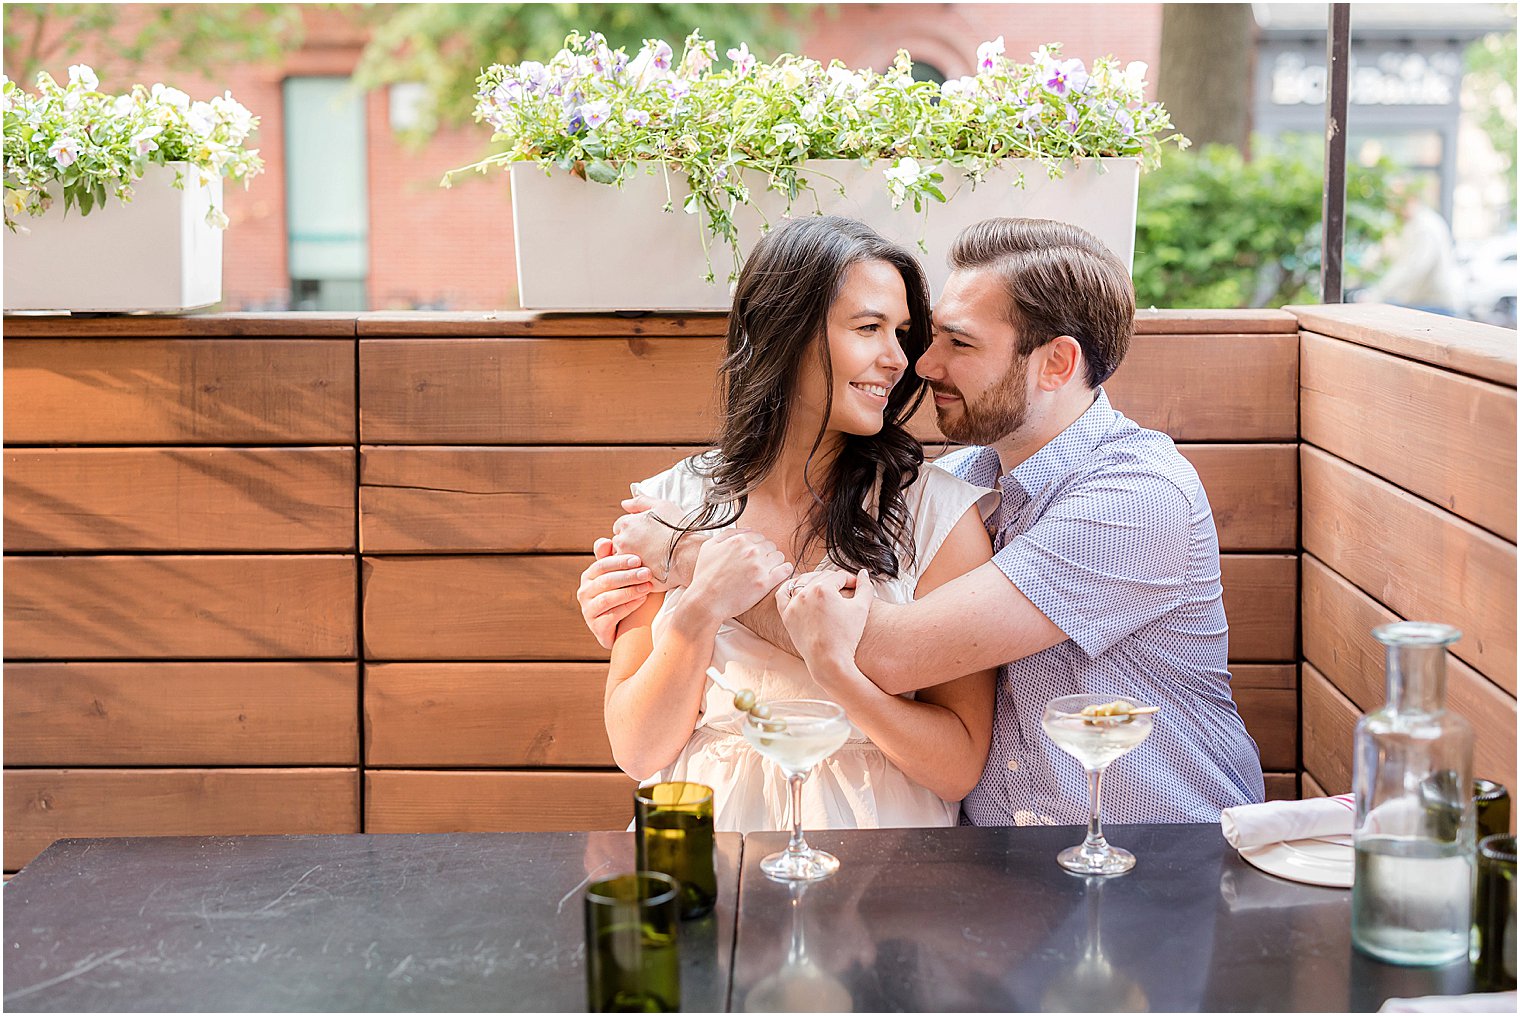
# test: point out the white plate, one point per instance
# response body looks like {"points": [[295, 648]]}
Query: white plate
{"points": [[1328, 862]]}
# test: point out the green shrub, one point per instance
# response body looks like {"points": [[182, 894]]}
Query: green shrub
{"points": [[1214, 230]]}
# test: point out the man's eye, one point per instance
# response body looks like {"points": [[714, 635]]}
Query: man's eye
{"points": [[958, 344]]}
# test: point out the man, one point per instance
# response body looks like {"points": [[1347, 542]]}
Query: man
{"points": [[1105, 573]]}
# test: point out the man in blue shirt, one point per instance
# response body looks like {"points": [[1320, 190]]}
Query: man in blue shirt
{"points": [[1105, 573]]}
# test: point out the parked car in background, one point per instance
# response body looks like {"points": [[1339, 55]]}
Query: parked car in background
{"points": [[1490, 280]]}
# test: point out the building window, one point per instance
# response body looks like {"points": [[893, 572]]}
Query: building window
{"points": [[327, 194]]}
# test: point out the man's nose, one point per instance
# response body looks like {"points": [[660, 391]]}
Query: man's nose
{"points": [[928, 366]]}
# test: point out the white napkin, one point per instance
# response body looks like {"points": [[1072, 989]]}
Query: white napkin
{"points": [[1503, 1001], [1256, 825]]}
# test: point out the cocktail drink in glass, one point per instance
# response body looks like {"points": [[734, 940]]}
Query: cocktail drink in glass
{"points": [[1095, 740], [797, 734]]}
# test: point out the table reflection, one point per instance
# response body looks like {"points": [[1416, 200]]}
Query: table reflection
{"points": [[1093, 985], [801, 985]]}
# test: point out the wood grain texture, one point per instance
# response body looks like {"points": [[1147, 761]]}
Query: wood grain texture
{"points": [[1261, 605], [1446, 437], [42, 805], [1312, 789], [1338, 620], [1153, 321], [179, 391], [290, 323], [145, 499], [186, 607], [475, 608], [1267, 676], [1419, 561], [523, 608], [485, 714], [1465, 346], [530, 324], [538, 391], [450, 499], [1329, 732], [1211, 387], [441, 500], [401, 801], [1281, 786], [1271, 717], [181, 714]]}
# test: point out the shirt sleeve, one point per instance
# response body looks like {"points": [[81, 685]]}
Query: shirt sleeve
{"points": [[1106, 559]]}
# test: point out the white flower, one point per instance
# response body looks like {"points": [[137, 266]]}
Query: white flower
{"points": [[233, 113], [142, 142], [123, 106], [216, 218], [844, 82], [645, 68], [64, 151], [83, 74], [171, 97], [744, 60], [202, 119], [904, 174], [596, 113], [809, 112], [637, 117], [15, 203], [987, 55], [1134, 76], [793, 77]]}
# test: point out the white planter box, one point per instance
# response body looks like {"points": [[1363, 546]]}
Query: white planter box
{"points": [[154, 254], [587, 246]]}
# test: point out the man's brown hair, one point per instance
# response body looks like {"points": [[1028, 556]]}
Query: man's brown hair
{"points": [[1060, 280]]}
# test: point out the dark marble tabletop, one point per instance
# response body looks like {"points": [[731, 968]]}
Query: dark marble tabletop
{"points": [[463, 921], [985, 920]]}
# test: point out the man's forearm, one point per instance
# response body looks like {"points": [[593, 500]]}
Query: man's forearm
{"points": [[765, 620]]}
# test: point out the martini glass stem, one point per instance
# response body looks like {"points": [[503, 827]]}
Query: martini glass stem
{"points": [[797, 845], [1095, 843]]}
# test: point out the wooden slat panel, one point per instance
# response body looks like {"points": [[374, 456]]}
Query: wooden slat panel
{"points": [[1253, 490], [1338, 620], [1312, 789], [498, 499], [1271, 718], [462, 499], [1448, 438], [439, 802], [1213, 322], [1329, 731], [179, 391], [179, 499], [531, 324], [485, 714], [232, 607], [42, 805], [134, 714], [1211, 387], [1281, 786], [523, 608], [1261, 605], [287, 323], [1466, 346], [1419, 561], [1269, 676], [663, 390], [475, 608], [536, 391]]}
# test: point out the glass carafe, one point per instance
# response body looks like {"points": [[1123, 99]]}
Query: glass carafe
{"points": [[1411, 903]]}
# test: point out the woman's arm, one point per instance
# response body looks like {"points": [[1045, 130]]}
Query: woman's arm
{"points": [[655, 686], [941, 739]]}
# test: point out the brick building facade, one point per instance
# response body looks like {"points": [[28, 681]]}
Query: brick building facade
{"points": [[452, 249]]}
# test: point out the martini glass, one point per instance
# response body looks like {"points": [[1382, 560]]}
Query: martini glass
{"points": [[1094, 741], [797, 735]]}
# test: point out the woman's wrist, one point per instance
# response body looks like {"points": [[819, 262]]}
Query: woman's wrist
{"points": [[693, 614]]}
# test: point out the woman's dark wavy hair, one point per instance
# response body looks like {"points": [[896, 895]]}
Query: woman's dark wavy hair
{"points": [[780, 311]]}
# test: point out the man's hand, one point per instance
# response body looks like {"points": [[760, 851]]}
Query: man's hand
{"points": [[736, 570], [611, 589], [639, 534], [825, 615]]}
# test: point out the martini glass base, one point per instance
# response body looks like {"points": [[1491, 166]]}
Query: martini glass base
{"points": [[1084, 860], [806, 866]]}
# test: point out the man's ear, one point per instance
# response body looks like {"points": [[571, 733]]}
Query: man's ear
{"points": [[1061, 363]]}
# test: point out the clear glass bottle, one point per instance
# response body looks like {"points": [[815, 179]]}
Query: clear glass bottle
{"points": [[1411, 903]]}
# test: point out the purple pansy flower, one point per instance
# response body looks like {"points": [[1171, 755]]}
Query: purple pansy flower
{"points": [[595, 113], [1068, 75]]}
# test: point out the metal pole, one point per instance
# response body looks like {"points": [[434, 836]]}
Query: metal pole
{"points": [[1337, 74]]}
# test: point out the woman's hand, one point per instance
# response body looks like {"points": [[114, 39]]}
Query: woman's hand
{"points": [[825, 615], [735, 570], [642, 533]]}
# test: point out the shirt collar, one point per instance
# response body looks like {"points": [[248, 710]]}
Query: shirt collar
{"points": [[1066, 450]]}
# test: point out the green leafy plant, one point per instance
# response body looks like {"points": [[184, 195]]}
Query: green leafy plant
{"points": [[1214, 230], [593, 111], [94, 146]]}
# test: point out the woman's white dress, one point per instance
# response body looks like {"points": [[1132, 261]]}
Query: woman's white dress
{"points": [[858, 787]]}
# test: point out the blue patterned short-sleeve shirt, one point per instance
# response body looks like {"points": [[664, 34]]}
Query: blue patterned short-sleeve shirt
{"points": [[1108, 532]]}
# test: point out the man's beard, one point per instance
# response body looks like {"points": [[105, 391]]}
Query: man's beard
{"points": [[997, 413]]}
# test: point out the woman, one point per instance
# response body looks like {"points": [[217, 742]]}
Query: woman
{"points": [[815, 470]]}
